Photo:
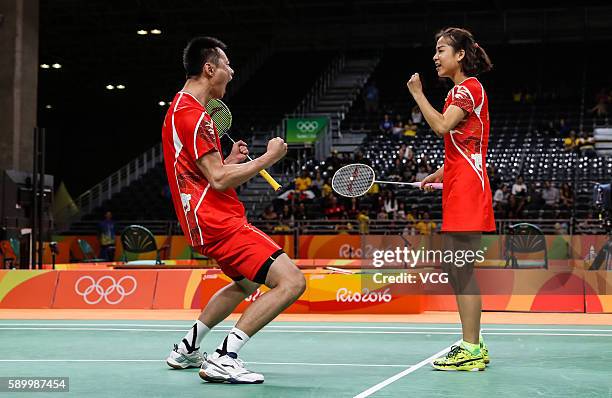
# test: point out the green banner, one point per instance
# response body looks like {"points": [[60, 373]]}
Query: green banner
{"points": [[305, 129]]}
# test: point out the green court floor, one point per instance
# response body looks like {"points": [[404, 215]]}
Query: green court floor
{"points": [[126, 359]]}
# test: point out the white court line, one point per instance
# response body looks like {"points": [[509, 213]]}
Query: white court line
{"points": [[403, 373], [309, 327], [425, 332], [339, 327], [250, 363]]}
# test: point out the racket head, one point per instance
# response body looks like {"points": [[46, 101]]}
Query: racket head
{"points": [[220, 114], [353, 180]]}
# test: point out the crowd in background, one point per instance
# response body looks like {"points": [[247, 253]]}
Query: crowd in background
{"points": [[311, 197]]}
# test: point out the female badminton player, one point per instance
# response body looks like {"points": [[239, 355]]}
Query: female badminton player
{"points": [[467, 208]]}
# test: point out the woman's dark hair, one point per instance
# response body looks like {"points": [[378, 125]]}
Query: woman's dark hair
{"points": [[476, 60], [199, 51]]}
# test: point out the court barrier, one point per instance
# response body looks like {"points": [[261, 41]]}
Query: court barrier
{"points": [[327, 292], [340, 246]]}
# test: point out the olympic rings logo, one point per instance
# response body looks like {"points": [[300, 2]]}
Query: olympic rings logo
{"points": [[113, 292], [307, 126]]}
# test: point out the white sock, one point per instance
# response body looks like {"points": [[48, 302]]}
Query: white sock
{"points": [[193, 338], [232, 343]]}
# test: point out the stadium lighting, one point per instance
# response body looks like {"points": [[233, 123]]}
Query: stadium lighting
{"points": [[161, 103], [110, 87], [48, 106], [44, 66], [141, 32], [120, 86], [56, 66], [156, 31]]}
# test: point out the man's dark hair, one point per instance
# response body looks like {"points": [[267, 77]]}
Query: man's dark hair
{"points": [[199, 51]]}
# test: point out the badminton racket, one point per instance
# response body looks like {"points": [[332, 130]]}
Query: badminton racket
{"points": [[355, 180], [221, 115]]}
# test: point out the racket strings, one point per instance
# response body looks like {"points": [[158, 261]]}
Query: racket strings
{"points": [[221, 115], [353, 180]]}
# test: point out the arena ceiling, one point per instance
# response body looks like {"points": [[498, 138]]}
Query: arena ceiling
{"points": [[97, 44]]}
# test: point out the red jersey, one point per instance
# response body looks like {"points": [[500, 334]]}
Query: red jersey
{"points": [[205, 214], [466, 199]]}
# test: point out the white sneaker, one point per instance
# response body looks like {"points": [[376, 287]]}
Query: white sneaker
{"points": [[226, 369], [180, 360]]}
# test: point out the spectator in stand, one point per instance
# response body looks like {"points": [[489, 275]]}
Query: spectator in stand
{"points": [[550, 194], [379, 201], [425, 226], [374, 190], [300, 213], [405, 152], [519, 189], [317, 184], [106, 234], [534, 199], [401, 212], [398, 170], [370, 97], [269, 214], [407, 175], [271, 218], [560, 228], [411, 164], [569, 142], [416, 116], [353, 210], [326, 190], [382, 215], [390, 205], [566, 195], [386, 126], [494, 179], [333, 210], [286, 214], [364, 222], [585, 143], [425, 162], [334, 160], [422, 173], [303, 186], [398, 129], [409, 130], [500, 198], [411, 215]]}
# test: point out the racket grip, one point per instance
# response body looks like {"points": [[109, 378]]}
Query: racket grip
{"points": [[275, 185]]}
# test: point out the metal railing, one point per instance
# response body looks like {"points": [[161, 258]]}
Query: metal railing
{"points": [[354, 227], [320, 86], [120, 179]]}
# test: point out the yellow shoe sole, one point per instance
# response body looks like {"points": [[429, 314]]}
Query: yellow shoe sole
{"points": [[470, 367]]}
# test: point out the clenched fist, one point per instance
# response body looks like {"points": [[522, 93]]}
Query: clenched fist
{"points": [[414, 84], [277, 148]]}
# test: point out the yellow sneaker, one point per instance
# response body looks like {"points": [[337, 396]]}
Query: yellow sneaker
{"points": [[458, 358], [484, 350]]}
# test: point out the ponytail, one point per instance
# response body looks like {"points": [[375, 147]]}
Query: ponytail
{"points": [[476, 60]]}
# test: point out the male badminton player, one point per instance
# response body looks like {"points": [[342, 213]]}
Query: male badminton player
{"points": [[213, 220], [467, 208]]}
